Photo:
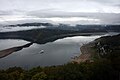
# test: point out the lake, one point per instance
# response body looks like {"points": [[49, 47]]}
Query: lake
{"points": [[55, 53]]}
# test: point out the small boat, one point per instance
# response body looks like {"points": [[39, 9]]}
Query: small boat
{"points": [[42, 51]]}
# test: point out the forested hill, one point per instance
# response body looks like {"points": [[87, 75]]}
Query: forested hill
{"points": [[36, 35], [109, 47], [77, 27], [110, 40], [32, 24], [41, 36]]}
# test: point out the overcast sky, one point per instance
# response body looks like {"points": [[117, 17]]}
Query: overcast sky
{"points": [[61, 11]]}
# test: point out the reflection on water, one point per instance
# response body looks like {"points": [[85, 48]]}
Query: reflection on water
{"points": [[6, 52], [8, 43], [55, 53]]}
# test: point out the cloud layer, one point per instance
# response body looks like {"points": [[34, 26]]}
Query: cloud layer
{"points": [[68, 11]]}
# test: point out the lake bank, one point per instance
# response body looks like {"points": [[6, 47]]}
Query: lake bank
{"points": [[86, 53], [6, 52]]}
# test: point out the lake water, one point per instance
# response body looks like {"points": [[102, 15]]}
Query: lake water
{"points": [[55, 53]]}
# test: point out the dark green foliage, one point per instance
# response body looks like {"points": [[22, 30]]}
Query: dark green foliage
{"points": [[99, 70]]}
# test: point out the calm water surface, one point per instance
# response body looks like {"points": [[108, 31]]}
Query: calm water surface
{"points": [[55, 53]]}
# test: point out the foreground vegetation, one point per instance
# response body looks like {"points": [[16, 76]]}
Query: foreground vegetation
{"points": [[107, 67], [99, 70]]}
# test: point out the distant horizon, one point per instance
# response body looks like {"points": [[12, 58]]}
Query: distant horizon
{"points": [[57, 24]]}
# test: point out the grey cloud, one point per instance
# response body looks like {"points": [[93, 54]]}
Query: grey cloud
{"points": [[44, 4], [105, 18], [105, 1], [59, 8]]}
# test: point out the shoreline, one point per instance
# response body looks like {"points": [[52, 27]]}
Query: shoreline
{"points": [[6, 52], [86, 53]]}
